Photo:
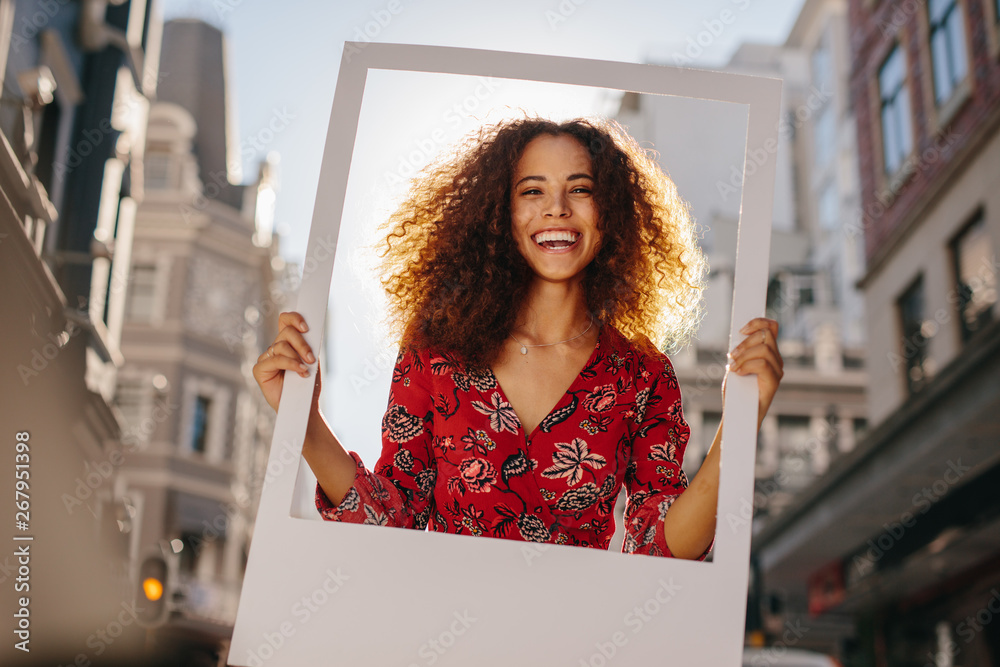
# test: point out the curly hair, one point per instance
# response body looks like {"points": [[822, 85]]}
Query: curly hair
{"points": [[455, 279]]}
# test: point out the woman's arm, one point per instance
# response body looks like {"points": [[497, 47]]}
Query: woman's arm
{"points": [[333, 466], [689, 526], [398, 491]]}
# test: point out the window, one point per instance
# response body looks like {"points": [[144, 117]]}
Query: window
{"points": [[191, 544], [822, 63], [158, 171], [824, 135], [829, 207], [911, 314], [975, 277], [805, 288], [895, 104], [206, 419], [947, 47], [46, 166], [860, 427], [793, 450], [199, 429], [141, 293], [835, 271], [824, 129]]}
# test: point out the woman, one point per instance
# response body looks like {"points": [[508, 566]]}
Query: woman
{"points": [[531, 281]]}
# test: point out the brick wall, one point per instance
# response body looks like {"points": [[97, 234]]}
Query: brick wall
{"points": [[890, 208]]}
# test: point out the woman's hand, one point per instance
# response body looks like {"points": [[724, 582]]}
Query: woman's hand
{"points": [[333, 466], [288, 352], [758, 355], [691, 522]]}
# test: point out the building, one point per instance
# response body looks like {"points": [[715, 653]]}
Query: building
{"points": [[206, 286], [77, 82], [902, 533], [820, 410]]}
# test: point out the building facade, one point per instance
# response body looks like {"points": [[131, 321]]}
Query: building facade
{"points": [[207, 285], [902, 534], [820, 410], [78, 79]]}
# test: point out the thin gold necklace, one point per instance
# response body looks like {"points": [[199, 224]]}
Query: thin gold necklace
{"points": [[524, 348]]}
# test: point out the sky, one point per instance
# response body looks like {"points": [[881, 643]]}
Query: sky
{"points": [[284, 57], [283, 65]]}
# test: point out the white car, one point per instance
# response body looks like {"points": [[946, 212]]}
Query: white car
{"points": [[780, 656]]}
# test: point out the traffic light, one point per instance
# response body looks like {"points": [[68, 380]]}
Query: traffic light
{"points": [[153, 596]]}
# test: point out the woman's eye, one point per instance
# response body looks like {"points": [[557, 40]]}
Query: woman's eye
{"points": [[532, 191], [581, 190]]}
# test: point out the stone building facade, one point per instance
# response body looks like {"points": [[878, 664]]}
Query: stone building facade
{"points": [[207, 285]]}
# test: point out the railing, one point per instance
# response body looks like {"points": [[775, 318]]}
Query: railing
{"points": [[26, 194]]}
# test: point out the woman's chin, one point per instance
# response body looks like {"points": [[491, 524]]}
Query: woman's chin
{"points": [[557, 267], [558, 275]]}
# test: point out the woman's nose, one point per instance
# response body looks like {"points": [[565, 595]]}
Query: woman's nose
{"points": [[556, 206]]}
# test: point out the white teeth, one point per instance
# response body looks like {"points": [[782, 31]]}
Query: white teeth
{"points": [[570, 237]]}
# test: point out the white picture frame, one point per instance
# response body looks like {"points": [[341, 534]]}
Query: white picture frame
{"points": [[357, 595]]}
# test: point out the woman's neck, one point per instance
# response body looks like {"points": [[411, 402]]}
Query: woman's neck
{"points": [[552, 312]]}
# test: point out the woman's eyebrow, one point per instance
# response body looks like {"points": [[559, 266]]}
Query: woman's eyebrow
{"points": [[530, 178], [571, 177]]}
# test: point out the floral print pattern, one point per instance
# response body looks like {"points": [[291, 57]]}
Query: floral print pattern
{"points": [[456, 459], [501, 414], [478, 474], [569, 460]]}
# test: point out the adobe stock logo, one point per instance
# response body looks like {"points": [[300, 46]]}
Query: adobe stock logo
{"points": [[704, 39], [432, 649], [636, 619], [894, 531], [303, 610]]}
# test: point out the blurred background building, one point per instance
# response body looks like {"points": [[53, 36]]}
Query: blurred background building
{"points": [[207, 283], [78, 79], [820, 412], [874, 528], [901, 534], [141, 282]]}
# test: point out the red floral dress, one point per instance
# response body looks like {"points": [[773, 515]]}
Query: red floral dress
{"points": [[455, 458]]}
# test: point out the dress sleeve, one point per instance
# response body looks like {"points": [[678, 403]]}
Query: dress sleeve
{"points": [[654, 478], [399, 492]]}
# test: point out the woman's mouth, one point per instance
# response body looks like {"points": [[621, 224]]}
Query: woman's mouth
{"points": [[556, 240]]}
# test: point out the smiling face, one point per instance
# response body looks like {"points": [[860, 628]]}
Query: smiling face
{"points": [[553, 212]]}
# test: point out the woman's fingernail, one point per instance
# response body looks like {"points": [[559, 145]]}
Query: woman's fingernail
{"points": [[309, 357], [303, 327], [745, 329], [303, 368]]}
